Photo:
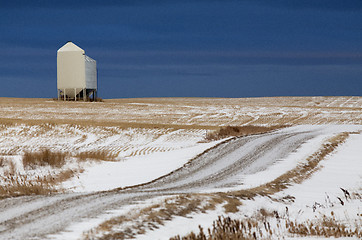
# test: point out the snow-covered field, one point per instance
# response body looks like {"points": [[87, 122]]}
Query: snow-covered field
{"points": [[316, 198], [151, 138], [197, 113]]}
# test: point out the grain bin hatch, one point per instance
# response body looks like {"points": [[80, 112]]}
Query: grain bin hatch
{"points": [[76, 74]]}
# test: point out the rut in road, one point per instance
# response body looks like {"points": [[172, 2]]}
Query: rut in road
{"points": [[38, 216]]}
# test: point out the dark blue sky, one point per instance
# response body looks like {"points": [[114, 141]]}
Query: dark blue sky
{"points": [[187, 48]]}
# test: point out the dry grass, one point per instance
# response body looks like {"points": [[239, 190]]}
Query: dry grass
{"points": [[232, 203], [15, 184], [326, 227], [47, 157], [185, 113], [252, 228], [265, 224], [230, 131], [137, 222], [224, 228], [99, 155], [44, 158], [55, 179], [19, 185]]}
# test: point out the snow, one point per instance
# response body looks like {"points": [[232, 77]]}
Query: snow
{"points": [[141, 154], [340, 169], [152, 153], [295, 158], [182, 225], [77, 230], [133, 170]]}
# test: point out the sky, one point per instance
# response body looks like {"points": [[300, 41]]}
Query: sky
{"points": [[189, 48]]}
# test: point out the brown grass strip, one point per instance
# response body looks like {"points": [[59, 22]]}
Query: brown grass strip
{"points": [[252, 228], [137, 222], [99, 155], [237, 131], [109, 123]]}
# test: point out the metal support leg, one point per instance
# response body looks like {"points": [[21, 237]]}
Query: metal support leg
{"points": [[75, 94], [84, 94], [58, 92], [64, 95]]}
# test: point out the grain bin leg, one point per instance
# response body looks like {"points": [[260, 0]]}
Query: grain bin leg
{"points": [[58, 91], [75, 94], [84, 94], [64, 95]]}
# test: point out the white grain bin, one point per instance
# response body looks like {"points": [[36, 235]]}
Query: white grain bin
{"points": [[76, 73]]}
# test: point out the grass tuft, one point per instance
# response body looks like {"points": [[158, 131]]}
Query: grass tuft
{"points": [[96, 155], [15, 184], [44, 158], [19, 185]]}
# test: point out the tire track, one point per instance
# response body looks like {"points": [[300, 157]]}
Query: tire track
{"points": [[216, 168]]}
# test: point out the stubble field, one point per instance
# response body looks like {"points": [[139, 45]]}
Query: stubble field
{"points": [[127, 142]]}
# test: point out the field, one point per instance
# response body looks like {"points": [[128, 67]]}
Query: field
{"points": [[185, 113], [148, 168]]}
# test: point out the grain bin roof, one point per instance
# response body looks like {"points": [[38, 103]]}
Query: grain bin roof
{"points": [[70, 47]]}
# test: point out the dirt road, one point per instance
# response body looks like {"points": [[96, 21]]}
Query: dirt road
{"points": [[35, 217]]}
